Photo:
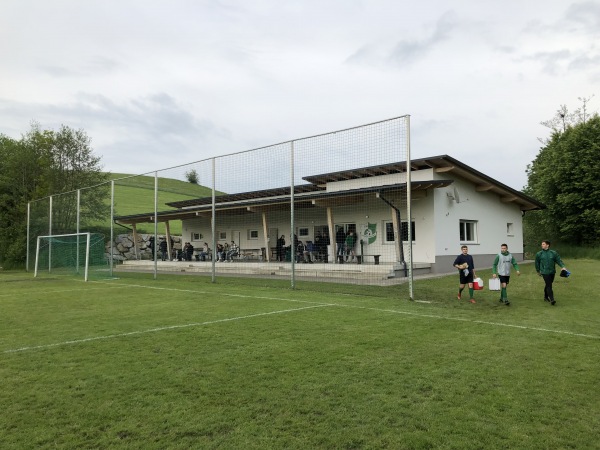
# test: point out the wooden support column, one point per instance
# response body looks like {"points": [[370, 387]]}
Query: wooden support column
{"points": [[168, 238], [331, 235], [266, 236], [135, 241], [396, 227]]}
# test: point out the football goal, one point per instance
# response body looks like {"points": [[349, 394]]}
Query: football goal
{"points": [[71, 254]]}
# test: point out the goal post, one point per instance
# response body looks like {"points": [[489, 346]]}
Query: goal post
{"points": [[70, 254]]}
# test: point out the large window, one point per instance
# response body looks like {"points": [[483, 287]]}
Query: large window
{"points": [[389, 231], [468, 231]]}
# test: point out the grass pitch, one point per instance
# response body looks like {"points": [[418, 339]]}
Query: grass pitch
{"points": [[180, 362]]}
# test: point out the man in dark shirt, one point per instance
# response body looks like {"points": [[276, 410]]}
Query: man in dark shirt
{"points": [[466, 271]]}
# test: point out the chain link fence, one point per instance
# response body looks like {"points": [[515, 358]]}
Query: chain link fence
{"points": [[331, 207]]}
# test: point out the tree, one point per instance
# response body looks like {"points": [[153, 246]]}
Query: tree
{"points": [[192, 176], [564, 118], [43, 163], [564, 176]]}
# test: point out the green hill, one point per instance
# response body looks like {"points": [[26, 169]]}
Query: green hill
{"points": [[135, 195]]}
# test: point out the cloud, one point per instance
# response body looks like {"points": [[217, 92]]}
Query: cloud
{"points": [[586, 15], [552, 62], [154, 126], [91, 67], [407, 51]]}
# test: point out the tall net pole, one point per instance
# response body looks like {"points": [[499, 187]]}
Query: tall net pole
{"points": [[112, 225], [28, 235], [155, 224], [409, 210], [292, 229]]}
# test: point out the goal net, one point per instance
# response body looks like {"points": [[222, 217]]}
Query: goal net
{"points": [[79, 254]]}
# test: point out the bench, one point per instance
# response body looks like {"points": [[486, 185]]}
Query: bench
{"points": [[359, 258], [253, 253], [197, 256]]}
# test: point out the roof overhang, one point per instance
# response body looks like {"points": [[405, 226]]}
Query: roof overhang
{"points": [[442, 164], [306, 196]]}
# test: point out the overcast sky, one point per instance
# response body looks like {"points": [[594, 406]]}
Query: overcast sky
{"points": [[160, 83]]}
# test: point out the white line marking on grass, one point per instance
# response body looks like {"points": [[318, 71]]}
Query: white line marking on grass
{"points": [[225, 294], [432, 316], [483, 322], [154, 330]]}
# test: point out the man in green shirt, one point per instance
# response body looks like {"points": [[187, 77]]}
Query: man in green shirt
{"points": [[501, 268], [545, 266]]}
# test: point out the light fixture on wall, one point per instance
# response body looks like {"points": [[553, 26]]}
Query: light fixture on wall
{"points": [[367, 216]]}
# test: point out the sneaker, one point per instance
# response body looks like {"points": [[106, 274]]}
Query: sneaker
{"points": [[553, 302], [546, 299], [501, 300], [506, 302], [472, 300]]}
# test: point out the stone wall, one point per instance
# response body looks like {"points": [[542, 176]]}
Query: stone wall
{"points": [[123, 249]]}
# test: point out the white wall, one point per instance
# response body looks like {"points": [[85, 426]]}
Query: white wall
{"points": [[491, 214], [435, 214]]}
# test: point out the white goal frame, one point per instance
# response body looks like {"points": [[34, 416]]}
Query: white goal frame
{"points": [[87, 252]]}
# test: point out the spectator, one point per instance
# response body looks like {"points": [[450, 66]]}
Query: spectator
{"points": [[163, 249], [300, 249], [310, 253], [233, 251], [204, 253], [340, 242], [220, 252], [318, 244], [280, 248], [151, 247], [188, 251], [350, 244]]}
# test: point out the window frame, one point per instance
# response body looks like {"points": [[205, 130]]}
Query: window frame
{"points": [[403, 231], [463, 231]]}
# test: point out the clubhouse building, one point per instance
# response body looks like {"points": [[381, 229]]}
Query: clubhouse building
{"points": [[451, 204]]}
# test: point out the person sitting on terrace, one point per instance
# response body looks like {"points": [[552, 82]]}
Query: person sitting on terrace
{"points": [[310, 252], [204, 253], [300, 252], [233, 251], [221, 252], [188, 251]]}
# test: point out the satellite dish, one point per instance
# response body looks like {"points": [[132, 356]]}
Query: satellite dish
{"points": [[456, 196]]}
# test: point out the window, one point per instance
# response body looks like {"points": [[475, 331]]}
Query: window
{"points": [[510, 229], [222, 235], [196, 236], [468, 231], [389, 231], [303, 232], [404, 231], [252, 234]]}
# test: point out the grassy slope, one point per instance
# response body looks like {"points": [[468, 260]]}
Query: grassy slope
{"points": [[135, 195]]}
